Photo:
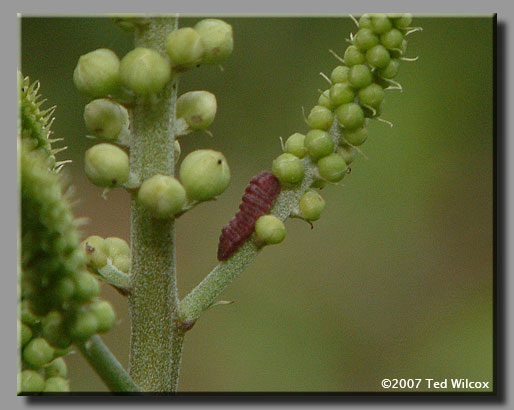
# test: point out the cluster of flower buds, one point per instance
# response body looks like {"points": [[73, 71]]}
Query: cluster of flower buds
{"points": [[339, 122], [204, 173]]}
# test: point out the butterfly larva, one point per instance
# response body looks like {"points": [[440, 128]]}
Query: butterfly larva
{"points": [[257, 200]]}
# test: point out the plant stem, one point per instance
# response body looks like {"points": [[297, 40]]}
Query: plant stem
{"points": [[156, 341], [205, 294], [106, 365]]}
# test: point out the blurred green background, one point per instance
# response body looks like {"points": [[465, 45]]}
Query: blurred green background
{"points": [[394, 281]]}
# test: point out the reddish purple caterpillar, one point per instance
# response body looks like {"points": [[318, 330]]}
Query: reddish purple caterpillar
{"points": [[257, 200]]}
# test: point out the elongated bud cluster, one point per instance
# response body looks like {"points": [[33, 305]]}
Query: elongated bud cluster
{"points": [[339, 122]]}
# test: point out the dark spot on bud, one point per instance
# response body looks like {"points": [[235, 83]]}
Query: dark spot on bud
{"points": [[349, 170], [89, 248], [219, 161]]}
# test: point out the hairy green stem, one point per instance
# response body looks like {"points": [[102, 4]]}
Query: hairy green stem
{"points": [[106, 365], [156, 341], [207, 291]]}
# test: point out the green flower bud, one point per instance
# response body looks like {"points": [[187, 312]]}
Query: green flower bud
{"points": [[122, 263], [95, 250], [324, 100], [31, 381], [145, 71], [63, 290], [116, 247], [54, 330], [319, 144], [348, 153], [365, 39], [85, 326], [350, 116], [38, 352], [56, 368], [204, 174], [56, 385], [106, 165], [86, 286], [403, 21], [97, 73], [341, 93], [378, 56], [25, 333], [380, 23], [372, 95], [162, 195], [184, 47], [391, 70], [288, 169], [353, 56], [365, 21], [392, 39], [320, 118], [339, 74], [360, 76], [311, 205], [270, 230], [198, 108], [104, 314], [106, 118], [217, 40], [332, 167], [295, 145], [356, 137]]}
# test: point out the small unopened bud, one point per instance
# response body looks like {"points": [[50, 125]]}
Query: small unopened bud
{"points": [[104, 314], [38, 352], [217, 40], [184, 47], [145, 71], [270, 230], [332, 167], [116, 247], [31, 381], [204, 174], [295, 145], [97, 73], [288, 169], [94, 247], [162, 195], [56, 385], [311, 205], [106, 165], [319, 144], [85, 326], [106, 119], [197, 108]]}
